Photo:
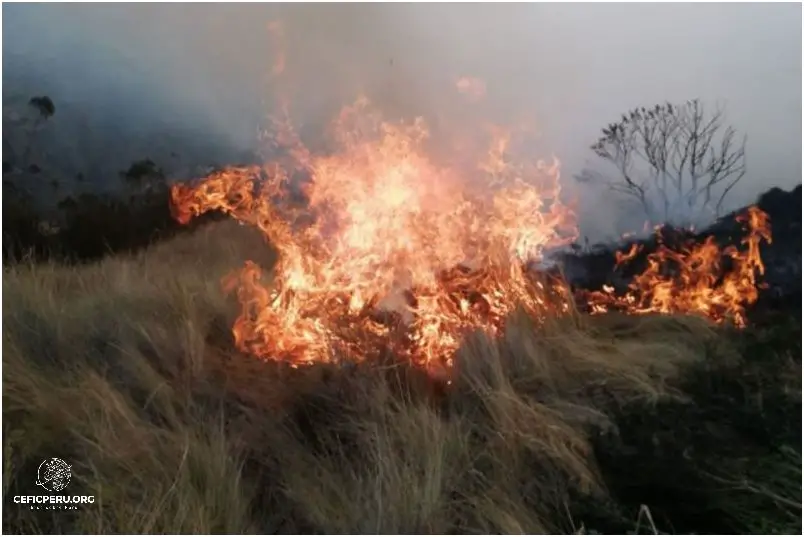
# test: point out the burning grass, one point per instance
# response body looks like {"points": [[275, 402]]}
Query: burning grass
{"points": [[395, 246], [126, 370], [450, 385]]}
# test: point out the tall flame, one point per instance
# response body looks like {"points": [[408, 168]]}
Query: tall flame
{"points": [[388, 248], [383, 247]]}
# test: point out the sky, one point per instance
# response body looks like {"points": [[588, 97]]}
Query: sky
{"points": [[130, 79]]}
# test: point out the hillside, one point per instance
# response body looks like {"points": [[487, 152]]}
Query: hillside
{"points": [[331, 270], [125, 368]]}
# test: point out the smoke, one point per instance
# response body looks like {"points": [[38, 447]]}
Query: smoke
{"points": [[148, 80]]}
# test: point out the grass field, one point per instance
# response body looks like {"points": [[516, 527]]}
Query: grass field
{"points": [[125, 369]]}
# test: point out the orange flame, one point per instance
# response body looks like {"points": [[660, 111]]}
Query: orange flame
{"points": [[383, 248], [389, 249], [702, 283]]}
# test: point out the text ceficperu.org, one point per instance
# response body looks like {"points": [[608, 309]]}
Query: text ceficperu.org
{"points": [[54, 501]]}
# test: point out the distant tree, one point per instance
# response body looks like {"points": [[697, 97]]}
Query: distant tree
{"points": [[44, 105], [676, 161], [141, 171], [22, 221], [45, 109], [144, 181]]}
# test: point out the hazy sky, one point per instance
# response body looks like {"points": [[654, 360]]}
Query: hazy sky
{"points": [[200, 69]]}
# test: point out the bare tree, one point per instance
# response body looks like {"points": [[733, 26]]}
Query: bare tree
{"points": [[676, 161]]}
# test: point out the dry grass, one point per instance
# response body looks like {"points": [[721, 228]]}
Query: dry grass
{"points": [[125, 370]]}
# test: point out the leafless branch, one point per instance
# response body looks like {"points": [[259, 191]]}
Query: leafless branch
{"points": [[682, 156]]}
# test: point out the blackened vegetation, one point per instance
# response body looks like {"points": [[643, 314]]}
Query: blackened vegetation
{"points": [[595, 266], [722, 459]]}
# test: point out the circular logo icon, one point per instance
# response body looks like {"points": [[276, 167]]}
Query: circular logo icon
{"points": [[53, 475]]}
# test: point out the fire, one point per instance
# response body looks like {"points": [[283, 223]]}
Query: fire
{"points": [[699, 278], [385, 247]]}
